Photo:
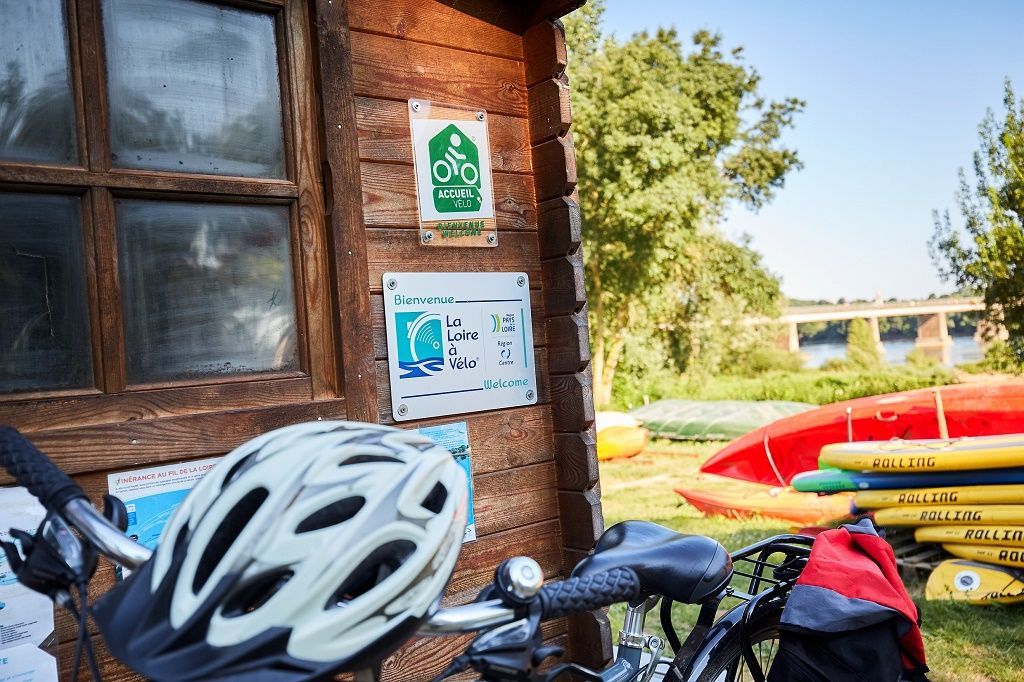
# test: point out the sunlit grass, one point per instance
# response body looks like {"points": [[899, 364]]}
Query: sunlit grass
{"points": [[964, 643]]}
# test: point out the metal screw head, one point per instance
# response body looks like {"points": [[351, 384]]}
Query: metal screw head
{"points": [[428, 236], [415, 106], [530, 394], [492, 238], [521, 281], [479, 115], [392, 284], [402, 410]]}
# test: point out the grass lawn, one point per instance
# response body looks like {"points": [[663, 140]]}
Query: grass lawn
{"points": [[964, 643]]}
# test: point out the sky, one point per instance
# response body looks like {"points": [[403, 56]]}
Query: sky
{"points": [[895, 91]]}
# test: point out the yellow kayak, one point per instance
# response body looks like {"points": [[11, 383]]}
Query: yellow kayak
{"points": [[619, 435], [975, 583], [1003, 556], [1009, 536], [981, 514], [950, 454], [967, 494]]}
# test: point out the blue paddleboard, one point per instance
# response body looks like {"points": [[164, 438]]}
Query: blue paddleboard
{"points": [[836, 480]]}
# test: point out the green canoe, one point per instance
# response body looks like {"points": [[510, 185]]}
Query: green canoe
{"points": [[712, 419]]}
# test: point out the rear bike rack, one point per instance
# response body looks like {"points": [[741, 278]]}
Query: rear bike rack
{"points": [[786, 556]]}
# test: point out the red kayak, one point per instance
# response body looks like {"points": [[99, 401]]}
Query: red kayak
{"points": [[775, 453], [735, 500]]}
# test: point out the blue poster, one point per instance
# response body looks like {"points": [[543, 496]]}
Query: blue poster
{"points": [[151, 496], [455, 439]]}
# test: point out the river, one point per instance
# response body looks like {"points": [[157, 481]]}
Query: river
{"points": [[964, 349]]}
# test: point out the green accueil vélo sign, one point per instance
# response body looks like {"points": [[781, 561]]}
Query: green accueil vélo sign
{"points": [[455, 171], [452, 163]]}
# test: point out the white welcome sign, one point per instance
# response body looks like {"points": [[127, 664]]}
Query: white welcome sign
{"points": [[458, 342]]}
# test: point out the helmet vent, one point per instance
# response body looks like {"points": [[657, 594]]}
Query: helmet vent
{"points": [[369, 459], [371, 571], [236, 468], [256, 593], [336, 512], [230, 527], [434, 502]]}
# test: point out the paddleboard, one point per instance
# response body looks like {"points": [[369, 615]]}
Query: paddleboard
{"points": [[950, 454], [968, 494], [1002, 556], [835, 480], [775, 453], [620, 441], [619, 435], [712, 419], [975, 583], [743, 500], [1009, 536], [981, 514]]}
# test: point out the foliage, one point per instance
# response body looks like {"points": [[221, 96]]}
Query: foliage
{"points": [[834, 365], [988, 253], [764, 359], [919, 359], [666, 138], [999, 358], [862, 351], [809, 386]]}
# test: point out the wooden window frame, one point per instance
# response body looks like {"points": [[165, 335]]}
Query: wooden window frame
{"points": [[98, 185]]}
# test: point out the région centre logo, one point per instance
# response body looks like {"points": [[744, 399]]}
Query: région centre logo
{"points": [[421, 352], [454, 171]]}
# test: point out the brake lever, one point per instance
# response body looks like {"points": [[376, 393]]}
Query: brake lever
{"points": [[115, 511], [50, 561]]}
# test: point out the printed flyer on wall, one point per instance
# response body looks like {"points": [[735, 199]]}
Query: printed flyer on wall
{"points": [[151, 496], [455, 439], [26, 617], [27, 663]]}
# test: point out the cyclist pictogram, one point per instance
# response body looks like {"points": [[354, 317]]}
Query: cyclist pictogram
{"points": [[455, 171]]}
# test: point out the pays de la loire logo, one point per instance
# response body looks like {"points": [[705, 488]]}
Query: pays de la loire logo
{"points": [[503, 324], [421, 351], [455, 171]]}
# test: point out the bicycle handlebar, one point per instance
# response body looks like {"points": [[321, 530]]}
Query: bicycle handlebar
{"points": [[574, 595], [59, 494], [34, 470]]}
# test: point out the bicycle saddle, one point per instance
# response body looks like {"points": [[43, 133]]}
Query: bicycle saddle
{"points": [[684, 568]]}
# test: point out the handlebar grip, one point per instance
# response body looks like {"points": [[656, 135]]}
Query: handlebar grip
{"points": [[34, 470], [577, 595]]}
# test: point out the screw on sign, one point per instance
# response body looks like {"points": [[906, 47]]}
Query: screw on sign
{"points": [[455, 171]]}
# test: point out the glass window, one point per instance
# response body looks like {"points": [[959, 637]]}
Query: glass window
{"points": [[193, 87], [44, 312], [37, 115], [206, 289]]}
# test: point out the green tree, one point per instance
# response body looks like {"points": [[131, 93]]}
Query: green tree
{"points": [[862, 351], [666, 138], [987, 254]]}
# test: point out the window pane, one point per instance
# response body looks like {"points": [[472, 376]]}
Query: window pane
{"points": [[44, 312], [206, 289], [193, 87], [37, 119]]}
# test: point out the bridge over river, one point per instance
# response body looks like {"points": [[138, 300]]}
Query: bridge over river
{"points": [[932, 331]]}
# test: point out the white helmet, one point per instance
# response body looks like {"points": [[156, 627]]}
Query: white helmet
{"points": [[311, 549]]}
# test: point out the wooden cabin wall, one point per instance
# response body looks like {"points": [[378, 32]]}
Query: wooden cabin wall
{"points": [[534, 467]]}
